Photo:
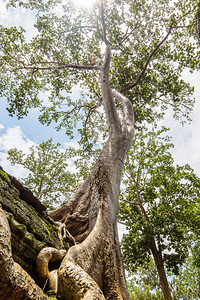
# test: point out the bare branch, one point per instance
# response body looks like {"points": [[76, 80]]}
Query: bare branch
{"points": [[129, 202], [128, 113], [103, 24], [126, 35], [85, 123], [120, 222], [112, 117], [37, 65], [59, 67], [165, 101]]}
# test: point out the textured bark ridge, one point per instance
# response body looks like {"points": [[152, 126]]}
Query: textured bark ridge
{"points": [[91, 217], [93, 267]]}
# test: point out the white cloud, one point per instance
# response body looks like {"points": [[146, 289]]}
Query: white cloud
{"points": [[18, 16], [73, 144], [1, 127], [14, 137], [187, 145], [17, 170], [186, 139], [121, 230]]}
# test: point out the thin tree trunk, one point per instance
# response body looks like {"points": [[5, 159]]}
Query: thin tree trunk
{"points": [[161, 271], [157, 255]]}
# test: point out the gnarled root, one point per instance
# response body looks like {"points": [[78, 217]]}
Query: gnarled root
{"points": [[64, 234], [45, 256], [75, 283], [53, 281]]}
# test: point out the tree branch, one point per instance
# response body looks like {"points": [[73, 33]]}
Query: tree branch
{"points": [[128, 112], [85, 123], [132, 85], [112, 117], [129, 202], [60, 67], [103, 24], [126, 35]]}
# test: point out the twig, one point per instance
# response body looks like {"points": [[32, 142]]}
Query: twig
{"points": [[129, 202], [128, 34], [45, 283], [165, 101], [35, 65], [120, 222]]}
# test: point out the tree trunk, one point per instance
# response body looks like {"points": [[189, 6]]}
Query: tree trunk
{"points": [[157, 255], [91, 215], [93, 267]]}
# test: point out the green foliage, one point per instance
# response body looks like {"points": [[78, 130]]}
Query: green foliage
{"points": [[48, 65], [5, 175], [141, 293], [144, 284], [49, 177], [185, 286], [161, 201]]}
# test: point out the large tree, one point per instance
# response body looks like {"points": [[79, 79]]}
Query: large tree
{"points": [[147, 46]]}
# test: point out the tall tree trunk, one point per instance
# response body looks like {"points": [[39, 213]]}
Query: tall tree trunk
{"points": [[157, 255], [91, 215]]}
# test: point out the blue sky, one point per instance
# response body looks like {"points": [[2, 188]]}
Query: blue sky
{"points": [[31, 126]]}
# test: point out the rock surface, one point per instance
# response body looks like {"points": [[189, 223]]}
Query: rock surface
{"points": [[30, 225]]}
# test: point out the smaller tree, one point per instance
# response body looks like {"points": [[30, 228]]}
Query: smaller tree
{"points": [[159, 206], [49, 178], [144, 283]]}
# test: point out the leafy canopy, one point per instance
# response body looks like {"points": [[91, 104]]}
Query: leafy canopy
{"points": [[49, 177], [144, 284], [152, 41]]}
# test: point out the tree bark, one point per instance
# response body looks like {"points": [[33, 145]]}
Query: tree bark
{"points": [[157, 255], [91, 215]]}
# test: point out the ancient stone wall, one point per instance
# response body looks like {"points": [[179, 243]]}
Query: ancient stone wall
{"points": [[30, 225]]}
